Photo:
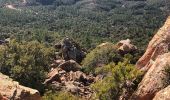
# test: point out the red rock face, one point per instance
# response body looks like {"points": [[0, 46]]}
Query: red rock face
{"points": [[157, 46], [11, 90], [2, 97], [156, 79], [163, 94]]}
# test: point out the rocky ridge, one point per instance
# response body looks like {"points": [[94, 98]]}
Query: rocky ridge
{"points": [[156, 63], [66, 74], [164, 94], [157, 46], [156, 79]]}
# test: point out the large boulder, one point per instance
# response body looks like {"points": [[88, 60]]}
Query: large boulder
{"points": [[11, 90], [53, 76], [80, 77], [159, 45], [156, 78], [125, 46], [61, 67], [70, 65], [69, 49], [56, 63], [164, 94]]}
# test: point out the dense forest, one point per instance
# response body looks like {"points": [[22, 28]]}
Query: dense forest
{"points": [[31, 28], [90, 22]]}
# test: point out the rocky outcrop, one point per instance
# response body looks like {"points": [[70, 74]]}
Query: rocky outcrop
{"points": [[66, 74], [68, 77], [2, 97], [69, 49], [70, 65], [164, 94], [125, 46], [156, 78], [159, 45], [11, 90]]}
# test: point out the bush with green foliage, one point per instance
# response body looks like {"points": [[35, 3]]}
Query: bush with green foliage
{"points": [[110, 87], [101, 55], [26, 62], [59, 96]]}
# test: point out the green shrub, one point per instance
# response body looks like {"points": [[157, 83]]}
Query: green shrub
{"points": [[101, 55], [110, 87], [26, 62], [59, 96]]}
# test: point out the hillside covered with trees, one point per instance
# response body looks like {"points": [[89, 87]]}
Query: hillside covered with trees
{"points": [[82, 49], [90, 22]]}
